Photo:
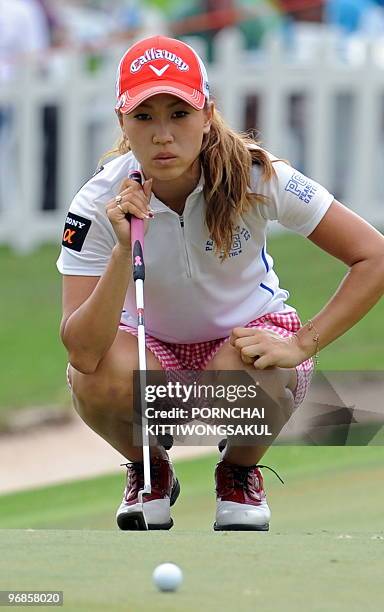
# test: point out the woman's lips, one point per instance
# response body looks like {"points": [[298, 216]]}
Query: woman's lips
{"points": [[164, 160]]}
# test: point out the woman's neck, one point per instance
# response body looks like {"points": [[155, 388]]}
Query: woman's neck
{"points": [[174, 193]]}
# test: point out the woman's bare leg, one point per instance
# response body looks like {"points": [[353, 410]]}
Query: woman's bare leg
{"points": [[104, 400], [278, 383]]}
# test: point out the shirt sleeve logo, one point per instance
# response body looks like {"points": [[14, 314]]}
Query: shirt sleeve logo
{"points": [[75, 231], [302, 187]]}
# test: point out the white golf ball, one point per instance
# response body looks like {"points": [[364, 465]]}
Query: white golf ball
{"points": [[167, 577]]}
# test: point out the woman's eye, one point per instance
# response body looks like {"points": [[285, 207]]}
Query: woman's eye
{"points": [[142, 116], [179, 114]]}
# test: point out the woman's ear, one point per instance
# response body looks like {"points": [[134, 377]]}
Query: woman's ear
{"points": [[208, 115]]}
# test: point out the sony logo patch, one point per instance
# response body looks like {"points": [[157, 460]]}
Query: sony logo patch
{"points": [[75, 223]]}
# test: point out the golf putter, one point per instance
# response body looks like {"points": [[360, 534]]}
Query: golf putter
{"points": [[138, 267]]}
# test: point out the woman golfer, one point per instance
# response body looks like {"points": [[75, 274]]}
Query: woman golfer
{"points": [[212, 298]]}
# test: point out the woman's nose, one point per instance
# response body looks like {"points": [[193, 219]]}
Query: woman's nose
{"points": [[162, 135]]}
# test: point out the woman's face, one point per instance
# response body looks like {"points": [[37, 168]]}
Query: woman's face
{"points": [[165, 135]]}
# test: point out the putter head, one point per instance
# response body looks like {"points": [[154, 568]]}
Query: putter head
{"points": [[141, 519], [135, 521]]}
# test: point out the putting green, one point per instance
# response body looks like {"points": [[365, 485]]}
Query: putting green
{"points": [[111, 571], [325, 550]]}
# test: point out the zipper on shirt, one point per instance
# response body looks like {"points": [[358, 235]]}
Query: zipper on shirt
{"points": [[189, 273]]}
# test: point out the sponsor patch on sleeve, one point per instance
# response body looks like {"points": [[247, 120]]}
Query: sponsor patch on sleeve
{"points": [[75, 231], [302, 187]]}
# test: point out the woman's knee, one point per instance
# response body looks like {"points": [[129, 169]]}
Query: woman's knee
{"points": [[275, 384], [101, 391], [110, 385]]}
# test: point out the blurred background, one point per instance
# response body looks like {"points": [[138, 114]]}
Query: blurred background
{"points": [[305, 76]]}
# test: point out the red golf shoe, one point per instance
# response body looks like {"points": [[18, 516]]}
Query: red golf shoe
{"points": [[241, 500], [165, 491]]}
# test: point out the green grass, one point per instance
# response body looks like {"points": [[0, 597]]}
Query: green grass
{"points": [[111, 572], [32, 359], [324, 550], [32, 368], [307, 471], [312, 276]]}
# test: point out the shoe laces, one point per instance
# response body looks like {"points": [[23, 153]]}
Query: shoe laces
{"points": [[240, 473], [258, 465], [136, 472]]}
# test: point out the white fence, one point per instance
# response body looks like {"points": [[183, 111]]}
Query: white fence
{"points": [[323, 113]]}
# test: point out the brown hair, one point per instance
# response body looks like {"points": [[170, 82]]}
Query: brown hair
{"points": [[226, 158]]}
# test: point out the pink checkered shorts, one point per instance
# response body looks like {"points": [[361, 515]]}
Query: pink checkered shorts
{"points": [[196, 356]]}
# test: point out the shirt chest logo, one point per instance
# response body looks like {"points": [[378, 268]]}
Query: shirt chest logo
{"points": [[240, 237]]}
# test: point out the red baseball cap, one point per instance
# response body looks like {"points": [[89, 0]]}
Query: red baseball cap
{"points": [[160, 65]]}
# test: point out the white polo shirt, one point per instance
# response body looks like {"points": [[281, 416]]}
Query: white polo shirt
{"points": [[190, 294]]}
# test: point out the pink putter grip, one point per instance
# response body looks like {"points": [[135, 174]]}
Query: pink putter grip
{"points": [[137, 231], [137, 239], [137, 225]]}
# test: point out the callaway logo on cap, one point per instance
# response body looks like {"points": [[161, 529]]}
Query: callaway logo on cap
{"points": [[160, 65]]}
